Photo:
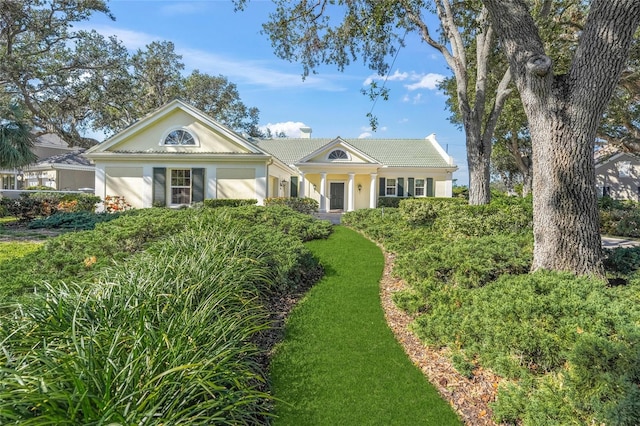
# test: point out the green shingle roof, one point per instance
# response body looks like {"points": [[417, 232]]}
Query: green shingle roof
{"points": [[389, 152]]}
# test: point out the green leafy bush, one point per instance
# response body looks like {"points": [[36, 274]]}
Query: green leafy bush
{"points": [[426, 210], [222, 202], [467, 263], [389, 202], [77, 221], [166, 336], [31, 205], [567, 346], [303, 205]]}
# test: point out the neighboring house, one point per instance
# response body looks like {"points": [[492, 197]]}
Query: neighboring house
{"points": [[59, 167], [178, 155], [618, 176]]}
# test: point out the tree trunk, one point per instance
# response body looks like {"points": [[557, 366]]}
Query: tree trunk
{"points": [[564, 112], [566, 221], [478, 161]]}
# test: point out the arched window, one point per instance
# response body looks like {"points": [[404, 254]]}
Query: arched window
{"points": [[338, 154], [179, 137]]}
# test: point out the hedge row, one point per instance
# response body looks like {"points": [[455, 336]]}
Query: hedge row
{"points": [[567, 347]]}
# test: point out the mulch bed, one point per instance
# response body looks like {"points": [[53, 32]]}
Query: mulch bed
{"points": [[470, 397]]}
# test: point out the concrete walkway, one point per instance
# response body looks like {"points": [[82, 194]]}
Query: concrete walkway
{"points": [[612, 242], [333, 217]]}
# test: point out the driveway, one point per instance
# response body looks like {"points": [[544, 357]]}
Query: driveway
{"points": [[611, 242]]}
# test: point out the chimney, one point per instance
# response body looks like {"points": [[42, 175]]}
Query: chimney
{"points": [[305, 132]]}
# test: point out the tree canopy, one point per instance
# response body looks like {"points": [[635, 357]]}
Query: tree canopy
{"points": [[69, 82]]}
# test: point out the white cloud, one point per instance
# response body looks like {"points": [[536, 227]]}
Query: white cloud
{"points": [[236, 70], [396, 76], [427, 81], [289, 128], [132, 40], [364, 135]]}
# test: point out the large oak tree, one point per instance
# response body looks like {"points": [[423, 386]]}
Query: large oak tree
{"points": [[564, 112]]}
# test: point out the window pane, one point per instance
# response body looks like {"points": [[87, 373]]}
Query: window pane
{"points": [[180, 195]]}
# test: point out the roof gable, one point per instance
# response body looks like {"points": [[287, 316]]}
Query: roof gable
{"points": [[149, 134], [338, 145]]}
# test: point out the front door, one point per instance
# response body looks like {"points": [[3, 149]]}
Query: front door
{"points": [[336, 196]]}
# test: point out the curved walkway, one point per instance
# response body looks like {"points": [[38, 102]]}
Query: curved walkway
{"points": [[339, 363]]}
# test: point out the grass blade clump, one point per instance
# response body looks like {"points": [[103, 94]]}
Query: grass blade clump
{"points": [[162, 339]]}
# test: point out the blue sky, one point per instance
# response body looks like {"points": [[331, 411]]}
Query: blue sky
{"points": [[214, 39]]}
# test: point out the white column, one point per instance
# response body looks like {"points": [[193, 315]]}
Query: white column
{"points": [[323, 198], [262, 181], [100, 183], [211, 182], [372, 191], [302, 186], [350, 193]]}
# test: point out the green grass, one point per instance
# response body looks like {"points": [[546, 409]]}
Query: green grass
{"points": [[16, 249], [339, 362]]}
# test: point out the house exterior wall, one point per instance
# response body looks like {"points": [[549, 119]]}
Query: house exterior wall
{"points": [[74, 179], [152, 137], [221, 180], [619, 178]]}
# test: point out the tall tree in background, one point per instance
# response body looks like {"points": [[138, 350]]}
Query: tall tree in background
{"points": [[309, 32], [69, 82], [564, 112], [621, 124], [44, 64]]}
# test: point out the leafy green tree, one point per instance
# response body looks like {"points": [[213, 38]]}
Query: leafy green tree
{"points": [[564, 109], [219, 98], [44, 64], [621, 123], [16, 139]]}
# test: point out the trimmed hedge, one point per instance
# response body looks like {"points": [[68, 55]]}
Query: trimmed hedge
{"points": [[224, 202], [43, 204], [569, 347], [303, 205]]}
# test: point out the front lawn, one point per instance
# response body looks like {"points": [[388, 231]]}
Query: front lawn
{"points": [[339, 363]]}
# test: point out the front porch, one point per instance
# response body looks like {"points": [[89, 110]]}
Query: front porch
{"points": [[339, 192]]}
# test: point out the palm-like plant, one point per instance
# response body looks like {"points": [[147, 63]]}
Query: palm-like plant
{"points": [[16, 139]]}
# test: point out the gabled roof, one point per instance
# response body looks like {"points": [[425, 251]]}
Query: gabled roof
{"points": [[163, 111], [389, 152], [338, 142], [69, 160]]}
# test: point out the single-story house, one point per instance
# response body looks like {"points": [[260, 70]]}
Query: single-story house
{"points": [[618, 175], [178, 155], [59, 167]]}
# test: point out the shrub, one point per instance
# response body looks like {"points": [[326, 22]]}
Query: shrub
{"points": [[224, 202], [426, 210], [303, 205], [389, 202], [77, 221], [116, 203], [467, 263], [166, 336]]}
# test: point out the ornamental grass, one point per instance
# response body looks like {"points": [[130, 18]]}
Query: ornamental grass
{"points": [[163, 338]]}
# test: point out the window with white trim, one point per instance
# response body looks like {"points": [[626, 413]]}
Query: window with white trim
{"points": [[180, 187], [338, 154], [624, 169], [392, 187], [418, 189], [179, 137]]}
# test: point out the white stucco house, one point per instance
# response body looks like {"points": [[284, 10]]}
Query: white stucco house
{"points": [[618, 176], [178, 155]]}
